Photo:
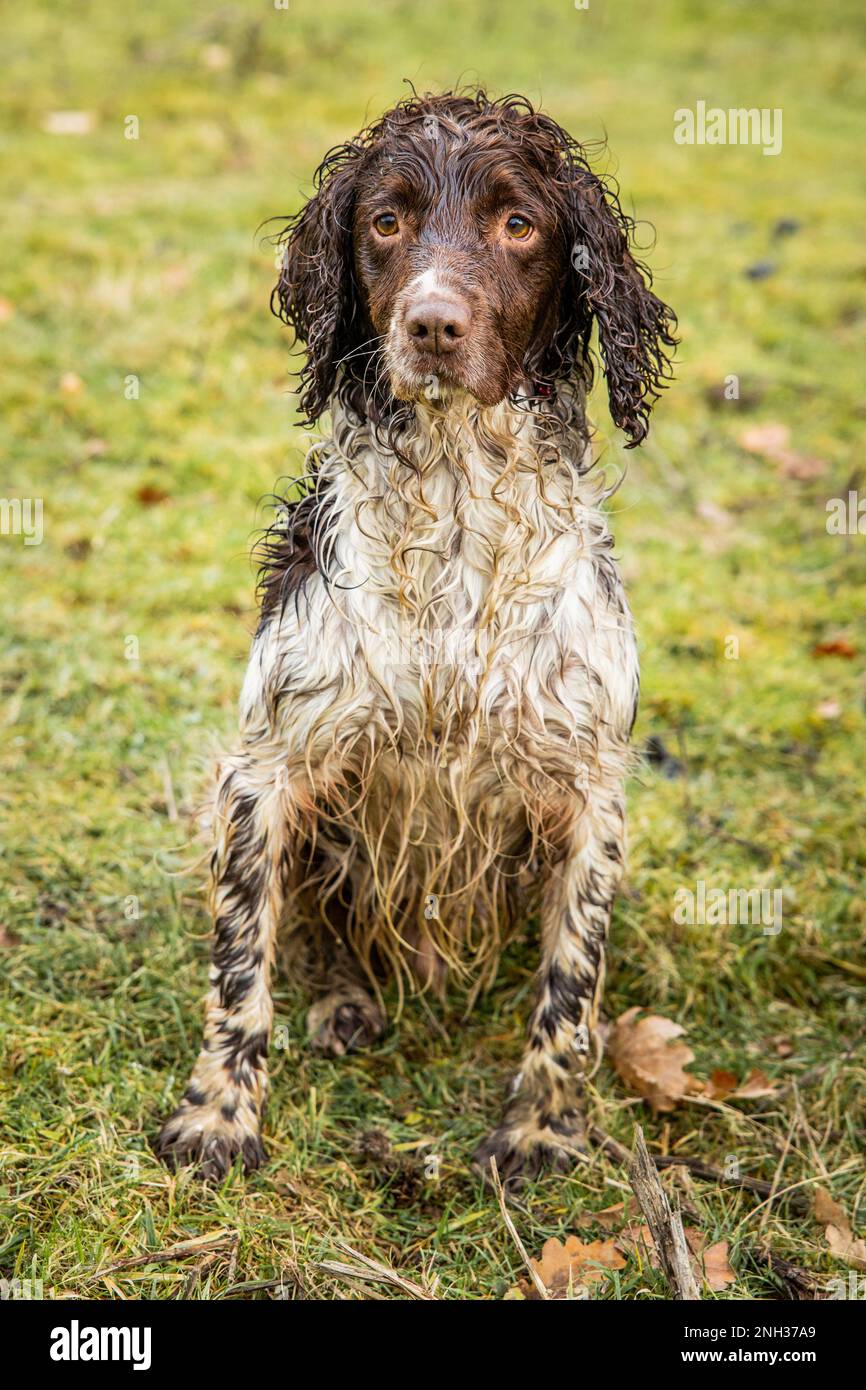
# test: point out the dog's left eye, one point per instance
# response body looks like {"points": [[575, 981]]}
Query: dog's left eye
{"points": [[386, 224], [518, 227]]}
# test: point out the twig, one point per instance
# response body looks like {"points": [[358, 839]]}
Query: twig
{"points": [[198, 1271], [181, 1251], [512, 1231], [761, 1188], [665, 1223], [799, 1284]]}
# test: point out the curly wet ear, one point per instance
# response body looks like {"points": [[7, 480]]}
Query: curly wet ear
{"points": [[635, 328], [316, 293]]}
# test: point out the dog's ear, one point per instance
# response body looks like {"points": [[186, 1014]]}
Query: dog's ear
{"points": [[609, 287], [316, 293]]}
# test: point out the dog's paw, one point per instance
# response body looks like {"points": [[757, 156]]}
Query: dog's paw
{"points": [[343, 1021], [523, 1150], [196, 1135]]}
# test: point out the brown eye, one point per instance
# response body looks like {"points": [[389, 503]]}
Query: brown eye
{"points": [[518, 227], [386, 224]]}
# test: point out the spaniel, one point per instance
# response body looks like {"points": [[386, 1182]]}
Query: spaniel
{"points": [[435, 720]]}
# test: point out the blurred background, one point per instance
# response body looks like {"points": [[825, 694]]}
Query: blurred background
{"points": [[147, 403]]}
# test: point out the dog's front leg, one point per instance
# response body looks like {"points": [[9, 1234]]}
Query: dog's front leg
{"points": [[543, 1122], [219, 1116]]}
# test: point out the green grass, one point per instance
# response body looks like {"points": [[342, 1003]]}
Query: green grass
{"points": [[140, 258]]}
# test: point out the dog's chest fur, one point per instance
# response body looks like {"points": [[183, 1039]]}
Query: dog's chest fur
{"points": [[456, 681]]}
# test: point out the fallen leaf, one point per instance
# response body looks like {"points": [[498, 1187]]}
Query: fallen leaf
{"points": [[609, 1217], [720, 1084], [846, 1246], [708, 1263], [838, 647], [766, 440], [150, 496], [756, 1084], [575, 1262], [772, 442], [645, 1055], [828, 1212], [717, 1268], [801, 467]]}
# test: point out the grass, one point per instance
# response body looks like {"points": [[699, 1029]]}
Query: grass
{"points": [[138, 259]]}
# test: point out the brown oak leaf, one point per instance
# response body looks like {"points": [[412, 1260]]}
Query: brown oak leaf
{"points": [[575, 1262], [708, 1262], [650, 1061]]}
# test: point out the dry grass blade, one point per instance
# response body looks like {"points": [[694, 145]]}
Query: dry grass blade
{"points": [[368, 1270], [512, 1231], [664, 1222]]}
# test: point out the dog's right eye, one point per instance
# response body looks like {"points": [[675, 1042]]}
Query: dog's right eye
{"points": [[386, 224]]}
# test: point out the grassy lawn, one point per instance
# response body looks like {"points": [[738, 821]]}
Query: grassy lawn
{"points": [[147, 400]]}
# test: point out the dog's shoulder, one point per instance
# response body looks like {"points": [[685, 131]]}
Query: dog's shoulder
{"points": [[290, 553]]}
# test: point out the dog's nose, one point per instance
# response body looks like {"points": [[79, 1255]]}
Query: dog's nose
{"points": [[437, 323]]}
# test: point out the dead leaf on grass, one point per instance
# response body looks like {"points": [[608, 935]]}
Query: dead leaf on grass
{"points": [[709, 1263], [847, 1246], [721, 1084], [575, 1262], [772, 442], [837, 1229], [650, 1061], [610, 1218], [717, 1268], [756, 1085], [837, 647], [828, 1211]]}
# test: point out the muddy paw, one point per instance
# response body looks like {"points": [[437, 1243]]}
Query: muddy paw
{"points": [[194, 1135], [343, 1021], [523, 1151]]}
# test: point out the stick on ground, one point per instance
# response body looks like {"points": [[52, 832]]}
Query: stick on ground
{"points": [[665, 1223]]}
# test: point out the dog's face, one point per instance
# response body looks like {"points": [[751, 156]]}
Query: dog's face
{"points": [[459, 263], [462, 242]]}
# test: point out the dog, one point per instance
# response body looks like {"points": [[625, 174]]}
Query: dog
{"points": [[435, 720]]}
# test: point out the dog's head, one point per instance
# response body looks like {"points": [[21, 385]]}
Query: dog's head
{"points": [[465, 242]]}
